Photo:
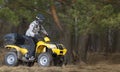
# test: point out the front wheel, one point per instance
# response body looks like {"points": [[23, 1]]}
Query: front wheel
{"points": [[44, 59], [11, 59]]}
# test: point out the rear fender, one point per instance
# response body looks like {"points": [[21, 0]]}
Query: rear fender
{"points": [[19, 50], [12, 47]]}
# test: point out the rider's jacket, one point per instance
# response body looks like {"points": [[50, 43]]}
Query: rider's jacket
{"points": [[34, 28]]}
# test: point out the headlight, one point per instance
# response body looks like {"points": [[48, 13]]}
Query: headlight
{"points": [[53, 46]]}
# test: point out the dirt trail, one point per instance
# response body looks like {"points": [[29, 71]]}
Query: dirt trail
{"points": [[69, 68], [96, 63]]}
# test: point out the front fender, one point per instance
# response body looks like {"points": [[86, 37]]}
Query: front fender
{"points": [[41, 43], [41, 47]]}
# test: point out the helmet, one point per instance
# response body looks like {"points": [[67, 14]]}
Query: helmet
{"points": [[40, 18]]}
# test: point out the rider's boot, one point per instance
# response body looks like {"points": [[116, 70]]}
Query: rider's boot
{"points": [[32, 58], [27, 56]]}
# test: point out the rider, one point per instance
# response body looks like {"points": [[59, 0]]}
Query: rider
{"points": [[34, 28]]}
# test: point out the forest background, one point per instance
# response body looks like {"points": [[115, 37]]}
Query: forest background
{"points": [[85, 27]]}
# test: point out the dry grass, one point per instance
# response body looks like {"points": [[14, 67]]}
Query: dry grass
{"points": [[69, 68], [96, 63]]}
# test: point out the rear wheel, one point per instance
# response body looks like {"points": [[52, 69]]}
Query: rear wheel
{"points": [[44, 59], [11, 59]]}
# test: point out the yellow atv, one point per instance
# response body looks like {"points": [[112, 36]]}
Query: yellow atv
{"points": [[46, 52]]}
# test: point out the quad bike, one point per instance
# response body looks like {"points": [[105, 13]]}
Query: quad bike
{"points": [[46, 54]]}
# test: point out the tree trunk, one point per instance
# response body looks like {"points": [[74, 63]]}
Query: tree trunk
{"points": [[83, 47], [54, 14]]}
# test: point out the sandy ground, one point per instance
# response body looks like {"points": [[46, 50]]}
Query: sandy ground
{"points": [[68, 68], [97, 63]]}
